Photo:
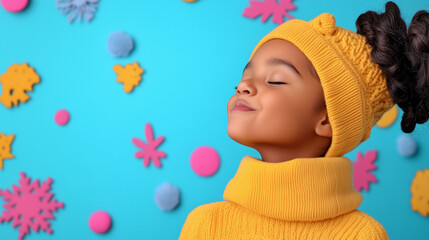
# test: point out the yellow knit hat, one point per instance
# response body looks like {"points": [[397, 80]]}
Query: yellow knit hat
{"points": [[355, 89]]}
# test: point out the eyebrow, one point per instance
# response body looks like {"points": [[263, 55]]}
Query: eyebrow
{"points": [[276, 61]]}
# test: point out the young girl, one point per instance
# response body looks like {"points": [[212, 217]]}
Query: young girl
{"points": [[310, 93]]}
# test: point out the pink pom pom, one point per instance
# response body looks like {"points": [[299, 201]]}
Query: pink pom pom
{"points": [[100, 222], [62, 117]]}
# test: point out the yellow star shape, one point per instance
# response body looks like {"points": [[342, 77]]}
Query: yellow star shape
{"points": [[5, 144]]}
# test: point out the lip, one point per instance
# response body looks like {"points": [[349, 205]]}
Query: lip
{"points": [[241, 105]]}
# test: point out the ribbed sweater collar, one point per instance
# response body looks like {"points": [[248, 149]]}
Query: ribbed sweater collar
{"points": [[302, 189]]}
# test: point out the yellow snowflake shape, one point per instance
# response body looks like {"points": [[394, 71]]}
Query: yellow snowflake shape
{"points": [[420, 192], [15, 82], [130, 75], [5, 142]]}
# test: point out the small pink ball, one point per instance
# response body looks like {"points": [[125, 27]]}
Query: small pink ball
{"points": [[62, 117], [14, 5], [100, 222], [205, 161]]}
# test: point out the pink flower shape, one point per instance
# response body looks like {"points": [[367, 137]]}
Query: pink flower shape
{"points": [[149, 149], [29, 205], [270, 7], [361, 170]]}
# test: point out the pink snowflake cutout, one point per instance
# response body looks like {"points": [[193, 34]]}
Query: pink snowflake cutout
{"points": [[361, 170], [29, 205], [270, 7], [149, 149]]}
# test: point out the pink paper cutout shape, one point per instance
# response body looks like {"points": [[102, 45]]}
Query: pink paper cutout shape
{"points": [[149, 149], [270, 7], [361, 170], [30, 205]]}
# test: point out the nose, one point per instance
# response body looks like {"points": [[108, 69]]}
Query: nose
{"points": [[246, 87]]}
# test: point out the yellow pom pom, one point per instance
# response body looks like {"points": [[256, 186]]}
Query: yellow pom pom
{"points": [[324, 23]]}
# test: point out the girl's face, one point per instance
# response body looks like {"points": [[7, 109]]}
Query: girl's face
{"points": [[279, 101]]}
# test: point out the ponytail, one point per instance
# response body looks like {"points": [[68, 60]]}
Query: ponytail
{"points": [[403, 56]]}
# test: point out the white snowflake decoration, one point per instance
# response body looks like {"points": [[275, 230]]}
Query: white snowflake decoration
{"points": [[79, 8]]}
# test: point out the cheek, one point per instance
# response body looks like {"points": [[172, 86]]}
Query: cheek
{"points": [[285, 116]]}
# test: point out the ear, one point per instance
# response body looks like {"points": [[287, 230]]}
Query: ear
{"points": [[323, 126]]}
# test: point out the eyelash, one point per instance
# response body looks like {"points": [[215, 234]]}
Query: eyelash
{"points": [[274, 83]]}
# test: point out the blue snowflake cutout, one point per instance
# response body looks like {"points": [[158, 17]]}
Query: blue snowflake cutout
{"points": [[77, 8]]}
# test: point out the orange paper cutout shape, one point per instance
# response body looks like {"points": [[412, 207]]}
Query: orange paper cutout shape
{"points": [[17, 80], [388, 117], [420, 192], [130, 75], [5, 144]]}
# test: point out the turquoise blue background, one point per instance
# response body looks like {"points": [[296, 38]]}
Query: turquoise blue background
{"points": [[193, 56]]}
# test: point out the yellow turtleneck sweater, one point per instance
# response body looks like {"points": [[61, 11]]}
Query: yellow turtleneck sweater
{"points": [[305, 198]]}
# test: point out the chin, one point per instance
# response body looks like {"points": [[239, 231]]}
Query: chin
{"points": [[239, 135]]}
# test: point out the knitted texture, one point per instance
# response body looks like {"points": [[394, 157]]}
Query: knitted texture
{"points": [[355, 88], [305, 198], [227, 220], [302, 189]]}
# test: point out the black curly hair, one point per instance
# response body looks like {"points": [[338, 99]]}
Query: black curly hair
{"points": [[403, 56]]}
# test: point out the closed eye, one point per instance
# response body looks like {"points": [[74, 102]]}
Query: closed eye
{"points": [[276, 83]]}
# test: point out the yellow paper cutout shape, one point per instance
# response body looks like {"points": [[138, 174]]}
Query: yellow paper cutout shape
{"points": [[420, 192], [130, 75], [388, 117], [5, 144], [15, 82]]}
